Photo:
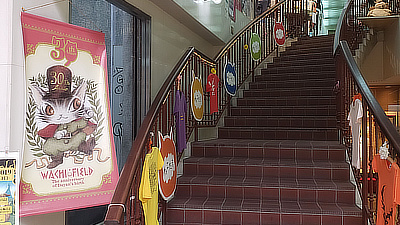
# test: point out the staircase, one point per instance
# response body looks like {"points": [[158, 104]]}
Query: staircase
{"points": [[277, 159]]}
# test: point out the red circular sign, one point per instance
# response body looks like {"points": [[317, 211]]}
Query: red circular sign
{"points": [[168, 173], [279, 33]]}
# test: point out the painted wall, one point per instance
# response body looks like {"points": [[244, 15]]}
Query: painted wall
{"points": [[381, 65], [169, 40]]}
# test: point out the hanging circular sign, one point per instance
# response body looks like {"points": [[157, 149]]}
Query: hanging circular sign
{"points": [[279, 33], [255, 43], [230, 79], [197, 98], [168, 173]]}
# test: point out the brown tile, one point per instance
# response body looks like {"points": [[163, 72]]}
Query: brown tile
{"points": [[234, 192], [205, 169], [289, 194], [332, 220], [216, 191], [252, 193], [307, 195], [193, 216], [255, 152], [305, 173], [221, 170], [253, 171], [346, 197], [290, 219], [311, 219], [326, 196], [176, 215], [287, 172], [212, 217], [270, 218], [237, 171], [270, 193], [250, 218], [240, 152], [230, 217], [199, 190]]}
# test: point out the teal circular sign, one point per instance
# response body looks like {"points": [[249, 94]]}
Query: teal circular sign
{"points": [[255, 46]]}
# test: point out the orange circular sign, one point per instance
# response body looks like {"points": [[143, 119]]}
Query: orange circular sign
{"points": [[197, 98], [168, 173]]}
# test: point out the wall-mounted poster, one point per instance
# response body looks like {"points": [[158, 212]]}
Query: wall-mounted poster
{"points": [[8, 191], [197, 98], [230, 79], [69, 158]]}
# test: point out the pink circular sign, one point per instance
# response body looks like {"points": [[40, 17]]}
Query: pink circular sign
{"points": [[279, 33]]}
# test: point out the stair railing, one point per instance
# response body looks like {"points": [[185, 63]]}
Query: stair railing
{"points": [[125, 207], [376, 126]]}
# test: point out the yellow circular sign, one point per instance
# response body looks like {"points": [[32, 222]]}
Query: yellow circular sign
{"points": [[197, 99]]}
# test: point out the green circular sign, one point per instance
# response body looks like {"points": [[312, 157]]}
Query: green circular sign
{"points": [[255, 46]]}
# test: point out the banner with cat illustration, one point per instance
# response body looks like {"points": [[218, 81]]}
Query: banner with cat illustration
{"points": [[69, 158]]}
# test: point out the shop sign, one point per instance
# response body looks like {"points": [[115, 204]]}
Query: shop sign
{"points": [[69, 157], [279, 33], [230, 79], [168, 174], [197, 98], [255, 47]]}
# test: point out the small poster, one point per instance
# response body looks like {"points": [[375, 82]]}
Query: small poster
{"points": [[8, 192], [279, 33], [168, 174], [230, 79], [69, 157], [197, 98], [255, 46]]}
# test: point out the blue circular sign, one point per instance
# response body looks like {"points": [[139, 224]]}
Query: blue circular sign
{"points": [[230, 79]]}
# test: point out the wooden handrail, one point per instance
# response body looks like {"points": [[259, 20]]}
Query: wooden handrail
{"points": [[132, 162], [386, 126]]}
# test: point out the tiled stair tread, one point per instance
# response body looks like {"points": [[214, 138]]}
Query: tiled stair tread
{"points": [[312, 82], [312, 67], [283, 92], [275, 75], [262, 162], [264, 206], [292, 107], [287, 75], [297, 129], [267, 182], [303, 62], [300, 144], [286, 101]]}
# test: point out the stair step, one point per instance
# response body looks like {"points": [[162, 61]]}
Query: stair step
{"points": [[303, 83], [280, 92], [322, 110], [287, 101], [271, 149], [308, 190], [251, 211], [328, 49], [281, 121], [278, 133], [304, 56], [301, 62], [269, 75]]}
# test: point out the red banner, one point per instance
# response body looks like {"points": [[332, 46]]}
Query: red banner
{"points": [[69, 157]]}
